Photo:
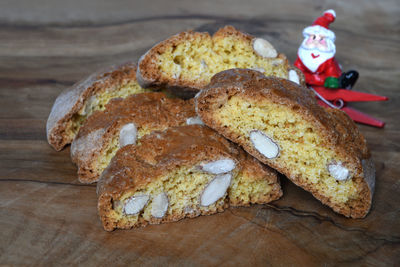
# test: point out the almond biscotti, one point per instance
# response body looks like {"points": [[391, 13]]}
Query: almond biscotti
{"points": [[184, 63], [281, 124], [181, 172], [75, 104], [123, 122]]}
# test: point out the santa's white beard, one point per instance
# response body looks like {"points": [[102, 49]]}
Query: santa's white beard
{"points": [[311, 63]]}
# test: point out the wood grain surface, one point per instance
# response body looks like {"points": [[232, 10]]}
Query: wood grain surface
{"points": [[48, 218]]}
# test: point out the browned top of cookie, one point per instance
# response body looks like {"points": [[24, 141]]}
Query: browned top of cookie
{"points": [[160, 152], [145, 109], [71, 100], [338, 129]]}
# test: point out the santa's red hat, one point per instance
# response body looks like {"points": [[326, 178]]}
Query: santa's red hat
{"points": [[321, 25]]}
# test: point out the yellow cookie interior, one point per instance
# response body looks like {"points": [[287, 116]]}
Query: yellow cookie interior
{"points": [[98, 102], [113, 146], [183, 188], [246, 190], [301, 149], [199, 58]]}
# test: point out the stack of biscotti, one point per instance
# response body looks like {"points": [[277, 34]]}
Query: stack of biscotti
{"points": [[110, 112], [154, 159], [161, 128]]}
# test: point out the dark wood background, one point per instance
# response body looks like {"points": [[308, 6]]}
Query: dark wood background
{"points": [[48, 218]]}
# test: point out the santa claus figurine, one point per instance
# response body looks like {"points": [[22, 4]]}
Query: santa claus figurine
{"points": [[316, 56]]}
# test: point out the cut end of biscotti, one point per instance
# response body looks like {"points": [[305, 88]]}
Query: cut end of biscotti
{"points": [[187, 61], [185, 192], [98, 102], [281, 124], [76, 104]]}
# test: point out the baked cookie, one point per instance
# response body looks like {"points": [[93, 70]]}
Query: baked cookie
{"points": [[75, 104], [181, 172], [185, 62], [123, 122], [281, 124]]}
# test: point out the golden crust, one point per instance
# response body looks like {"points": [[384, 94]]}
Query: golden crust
{"points": [[148, 111], [149, 75], [73, 99], [339, 132]]}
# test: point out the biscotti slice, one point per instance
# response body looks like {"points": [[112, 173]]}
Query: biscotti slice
{"points": [[121, 123], [281, 124], [75, 104], [185, 63], [181, 172]]}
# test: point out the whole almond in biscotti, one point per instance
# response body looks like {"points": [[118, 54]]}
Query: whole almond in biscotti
{"points": [[185, 62], [184, 171], [281, 124], [74, 105], [124, 122]]}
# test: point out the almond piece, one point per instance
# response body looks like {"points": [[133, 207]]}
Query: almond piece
{"points": [[92, 101], [160, 205], [203, 64], [294, 77], [264, 144], [339, 172], [135, 204], [215, 189], [219, 166], [127, 135], [194, 120], [263, 48]]}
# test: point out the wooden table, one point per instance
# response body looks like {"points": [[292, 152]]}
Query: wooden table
{"points": [[48, 218]]}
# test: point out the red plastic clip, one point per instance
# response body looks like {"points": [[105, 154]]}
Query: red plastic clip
{"points": [[358, 116], [339, 97], [347, 95]]}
